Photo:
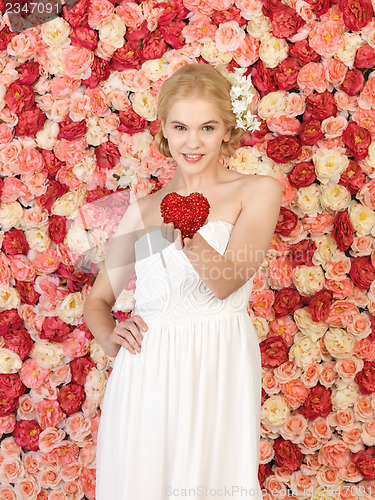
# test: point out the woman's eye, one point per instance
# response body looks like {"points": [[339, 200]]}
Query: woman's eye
{"points": [[178, 126], [209, 126]]}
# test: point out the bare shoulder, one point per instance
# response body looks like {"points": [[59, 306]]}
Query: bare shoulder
{"points": [[256, 187]]}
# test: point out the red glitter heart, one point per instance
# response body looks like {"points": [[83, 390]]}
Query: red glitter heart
{"points": [[188, 213]]}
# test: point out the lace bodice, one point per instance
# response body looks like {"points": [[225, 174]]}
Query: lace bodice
{"points": [[168, 289]]}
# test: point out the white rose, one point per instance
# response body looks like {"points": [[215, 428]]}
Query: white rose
{"points": [[144, 104], [259, 26], [112, 32], [308, 199], [329, 165], [70, 309], [113, 82], [46, 138], [335, 197], [273, 104], [77, 239], [326, 250], [94, 132], [308, 279], [362, 218], [272, 50], [69, 202], [312, 329], [101, 360], [86, 168], [10, 215], [244, 160], [352, 42], [38, 238], [56, 64], [339, 343], [304, 351], [213, 55], [10, 362], [154, 69], [95, 384], [344, 395], [47, 354], [56, 33], [275, 410]]}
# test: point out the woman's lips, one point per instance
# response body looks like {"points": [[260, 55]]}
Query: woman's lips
{"points": [[192, 160]]}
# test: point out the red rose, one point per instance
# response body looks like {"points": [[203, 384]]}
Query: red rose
{"points": [[263, 78], [287, 221], [172, 34], [286, 22], [357, 140], [70, 130], [320, 106], [310, 132], [54, 191], [284, 148], [364, 461], [131, 122], [28, 72], [54, 329], [286, 73], [100, 71], [353, 178], [57, 228], [19, 341], [356, 13], [84, 37], [30, 121], [51, 162], [125, 57], [26, 434], [77, 16], [219, 17], [74, 279], [71, 397], [302, 51], [107, 155], [153, 45], [302, 252], [319, 7], [365, 57], [27, 291], [274, 351], [154, 126], [354, 82], [15, 242], [343, 230], [19, 97], [12, 385], [362, 271], [5, 37], [79, 368], [286, 301], [172, 10], [320, 305], [269, 5], [302, 174], [366, 378], [7, 404], [9, 319], [287, 454], [317, 403]]}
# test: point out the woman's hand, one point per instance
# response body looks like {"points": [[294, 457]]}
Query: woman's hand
{"points": [[172, 234], [126, 334]]}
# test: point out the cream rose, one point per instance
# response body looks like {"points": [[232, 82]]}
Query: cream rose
{"points": [[125, 301], [272, 50], [275, 410], [95, 384], [56, 33], [112, 32], [304, 351], [70, 309], [308, 279], [362, 218], [56, 65], [352, 42], [273, 104], [308, 199], [259, 26], [47, 354], [335, 197], [326, 251], [69, 202], [339, 343], [344, 395], [101, 360], [244, 161], [155, 69], [10, 215], [46, 138], [144, 104], [310, 328], [77, 239], [10, 362], [329, 165], [38, 238], [213, 55], [95, 134]]}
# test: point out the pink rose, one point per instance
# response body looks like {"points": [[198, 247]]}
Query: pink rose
{"points": [[30, 121], [19, 97]]}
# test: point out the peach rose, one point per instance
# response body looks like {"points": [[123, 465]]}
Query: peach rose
{"points": [[71, 152], [12, 189], [334, 126], [109, 123], [49, 413], [59, 110], [131, 13], [76, 345], [70, 472], [87, 453], [65, 175], [79, 106], [7, 492], [10, 448], [247, 52], [33, 375], [100, 11], [345, 102], [49, 438], [283, 124], [321, 429], [269, 383], [98, 102], [31, 463], [335, 453], [266, 452], [365, 118], [326, 38], [27, 488], [295, 392], [353, 437], [312, 77], [281, 272], [10, 152], [49, 477], [30, 161], [11, 470], [77, 60], [310, 376], [347, 368], [200, 29], [294, 427], [6, 134], [363, 409]]}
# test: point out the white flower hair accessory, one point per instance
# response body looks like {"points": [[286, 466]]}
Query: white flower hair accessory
{"points": [[242, 93]]}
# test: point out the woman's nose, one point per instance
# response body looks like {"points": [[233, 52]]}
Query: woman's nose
{"points": [[193, 139]]}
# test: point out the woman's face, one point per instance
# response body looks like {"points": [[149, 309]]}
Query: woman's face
{"points": [[195, 126]]}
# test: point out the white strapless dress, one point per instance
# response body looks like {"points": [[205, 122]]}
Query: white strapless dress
{"points": [[181, 419]]}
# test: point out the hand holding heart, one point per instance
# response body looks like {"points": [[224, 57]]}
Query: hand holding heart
{"points": [[184, 215]]}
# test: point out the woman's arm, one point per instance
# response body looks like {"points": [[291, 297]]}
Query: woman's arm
{"points": [[248, 245]]}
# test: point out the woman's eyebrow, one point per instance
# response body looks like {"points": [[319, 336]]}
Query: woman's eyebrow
{"points": [[205, 123]]}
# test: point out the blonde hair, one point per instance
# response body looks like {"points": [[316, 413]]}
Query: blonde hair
{"points": [[204, 82]]}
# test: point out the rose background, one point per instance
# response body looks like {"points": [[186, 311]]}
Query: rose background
{"points": [[77, 125]]}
